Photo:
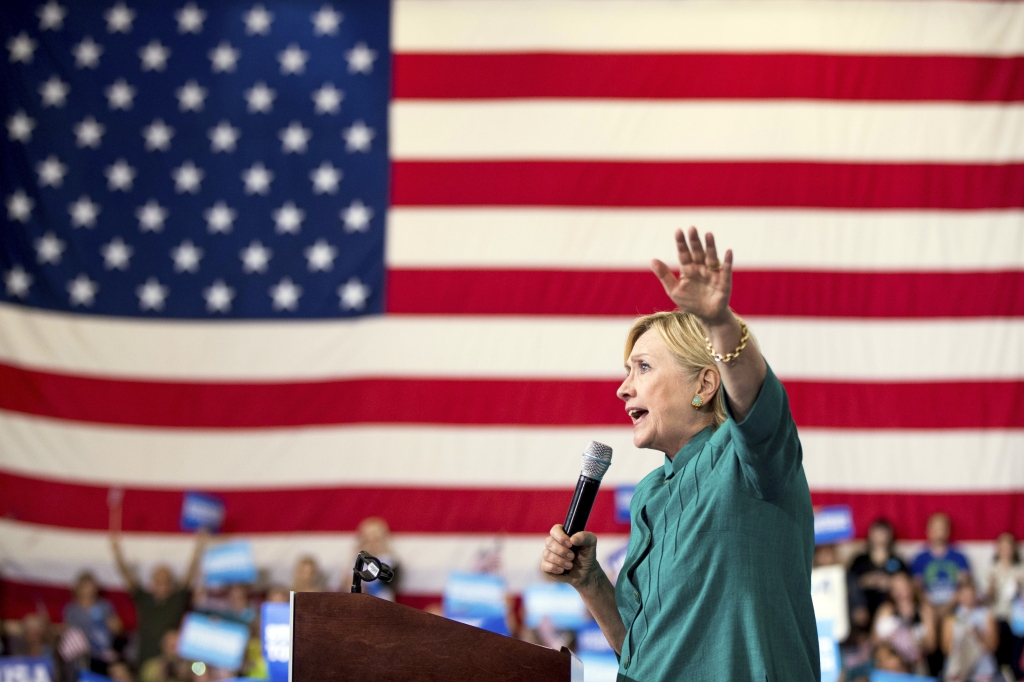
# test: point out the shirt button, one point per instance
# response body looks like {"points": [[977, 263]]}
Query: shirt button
{"points": [[625, 661], [636, 595]]}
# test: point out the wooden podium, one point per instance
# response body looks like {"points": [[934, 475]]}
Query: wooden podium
{"points": [[338, 637]]}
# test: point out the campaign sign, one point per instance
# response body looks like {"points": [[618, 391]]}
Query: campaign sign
{"points": [[276, 638], [474, 595], [219, 643], [201, 511], [90, 676], [885, 676], [828, 652], [599, 667], [623, 496], [496, 624], [833, 524], [1017, 617], [829, 598], [26, 669], [590, 640], [558, 602], [229, 562]]}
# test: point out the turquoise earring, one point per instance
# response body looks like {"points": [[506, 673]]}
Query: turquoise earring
{"points": [[697, 402]]}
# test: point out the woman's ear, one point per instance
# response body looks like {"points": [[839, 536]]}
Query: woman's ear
{"points": [[708, 382]]}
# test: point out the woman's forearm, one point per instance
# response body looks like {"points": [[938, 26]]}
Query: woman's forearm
{"points": [[743, 376], [599, 596]]}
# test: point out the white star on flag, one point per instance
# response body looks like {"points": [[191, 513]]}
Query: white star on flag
{"points": [[360, 59], [191, 96], [223, 137], [218, 297], [293, 60], [255, 257], [116, 254], [285, 294], [151, 216], [120, 94], [82, 291], [119, 18], [187, 178], [22, 48], [152, 294], [326, 21], [223, 58], [87, 53], [219, 218], [325, 178], [51, 16], [20, 126], [154, 56], [358, 137], [257, 21], [186, 257], [353, 294], [158, 136], [321, 256], [327, 99], [190, 19], [257, 179], [54, 92], [51, 172], [288, 219], [83, 212], [357, 216], [260, 98], [18, 282], [19, 206], [49, 249], [120, 176], [294, 138], [89, 132]]}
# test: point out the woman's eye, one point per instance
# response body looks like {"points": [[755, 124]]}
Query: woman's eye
{"points": [[644, 367]]}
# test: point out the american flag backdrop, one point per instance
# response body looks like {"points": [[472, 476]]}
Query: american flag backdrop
{"points": [[331, 261]]}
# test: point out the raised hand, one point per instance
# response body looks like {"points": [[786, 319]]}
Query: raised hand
{"points": [[704, 282]]}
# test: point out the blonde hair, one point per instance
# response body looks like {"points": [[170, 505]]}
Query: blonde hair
{"points": [[684, 337]]}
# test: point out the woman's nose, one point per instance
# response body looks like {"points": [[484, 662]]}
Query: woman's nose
{"points": [[625, 390]]}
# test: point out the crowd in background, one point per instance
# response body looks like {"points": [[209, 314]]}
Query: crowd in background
{"points": [[928, 614]]}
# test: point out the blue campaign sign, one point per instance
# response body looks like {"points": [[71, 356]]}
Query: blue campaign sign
{"points": [[599, 667], [474, 595], [276, 638], [590, 640], [229, 562], [833, 524], [884, 676], [623, 496], [558, 602], [1017, 617], [496, 624], [201, 511], [26, 669], [89, 676], [219, 643]]}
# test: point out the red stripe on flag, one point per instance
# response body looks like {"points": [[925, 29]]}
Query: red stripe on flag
{"points": [[979, 516], [926, 405], [776, 293], [709, 76], [707, 184]]}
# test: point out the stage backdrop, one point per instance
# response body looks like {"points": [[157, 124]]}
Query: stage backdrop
{"points": [[332, 261]]}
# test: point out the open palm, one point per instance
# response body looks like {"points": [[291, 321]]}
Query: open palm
{"points": [[704, 283]]}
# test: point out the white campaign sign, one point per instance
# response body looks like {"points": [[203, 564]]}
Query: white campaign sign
{"points": [[828, 593]]}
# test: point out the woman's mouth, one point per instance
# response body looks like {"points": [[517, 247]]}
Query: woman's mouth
{"points": [[637, 415]]}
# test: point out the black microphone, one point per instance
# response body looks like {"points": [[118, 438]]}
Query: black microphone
{"points": [[596, 460]]}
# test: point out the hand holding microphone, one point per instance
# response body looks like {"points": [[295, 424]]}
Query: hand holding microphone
{"points": [[571, 557]]}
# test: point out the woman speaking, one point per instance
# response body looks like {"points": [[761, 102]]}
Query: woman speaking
{"points": [[716, 581]]}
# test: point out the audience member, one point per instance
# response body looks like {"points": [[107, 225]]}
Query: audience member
{"points": [[96, 618], [969, 637], [120, 672], [307, 576], [889, 660], [166, 666], [938, 567], [1005, 584], [160, 608], [278, 594], [32, 636], [374, 536], [873, 570], [907, 623]]}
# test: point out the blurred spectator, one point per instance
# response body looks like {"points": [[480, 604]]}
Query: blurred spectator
{"points": [[160, 608], [1005, 583], [873, 570], [889, 660], [120, 672], [969, 638], [938, 567], [166, 666], [234, 605], [374, 536], [32, 636], [307, 576], [907, 623], [278, 594], [94, 616]]}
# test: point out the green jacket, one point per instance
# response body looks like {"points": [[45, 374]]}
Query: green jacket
{"points": [[717, 578]]}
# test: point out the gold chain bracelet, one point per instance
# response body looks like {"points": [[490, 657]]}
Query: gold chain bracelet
{"points": [[744, 337]]}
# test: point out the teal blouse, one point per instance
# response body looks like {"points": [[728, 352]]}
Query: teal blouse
{"points": [[717, 578]]}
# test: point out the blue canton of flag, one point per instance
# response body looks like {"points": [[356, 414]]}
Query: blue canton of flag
{"points": [[195, 159]]}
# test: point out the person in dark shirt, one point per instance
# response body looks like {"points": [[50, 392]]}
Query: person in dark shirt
{"points": [[873, 570], [159, 609]]}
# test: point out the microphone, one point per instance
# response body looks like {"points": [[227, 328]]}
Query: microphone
{"points": [[596, 460]]}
